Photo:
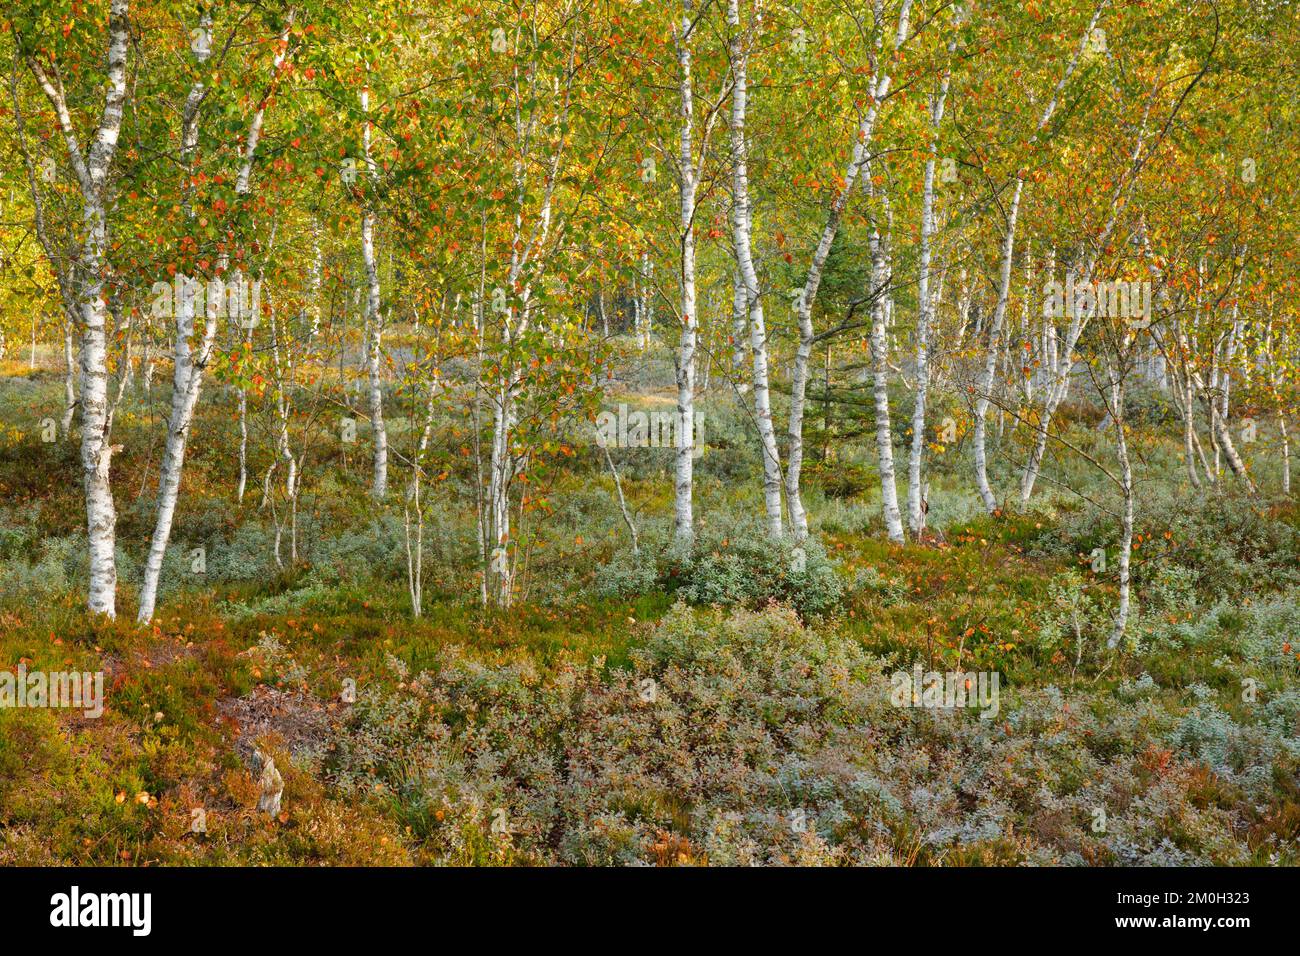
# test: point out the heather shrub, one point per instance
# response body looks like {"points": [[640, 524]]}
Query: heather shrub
{"points": [[1242, 754], [736, 736], [52, 570], [733, 563], [748, 737], [1224, 540], [1075, 622]]}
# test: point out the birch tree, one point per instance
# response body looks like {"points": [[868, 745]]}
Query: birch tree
{"points": [[373, 315], [742, 233], [92, 169], [189, 364], [984, 388], [879, 85]]}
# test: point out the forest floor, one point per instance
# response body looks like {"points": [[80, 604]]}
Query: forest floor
{"points": [[724, 704]]}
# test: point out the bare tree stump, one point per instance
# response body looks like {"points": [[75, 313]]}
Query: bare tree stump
{"points": [[270, 783]]}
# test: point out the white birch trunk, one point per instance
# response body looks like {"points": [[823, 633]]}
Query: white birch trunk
{"points": [[803, 304], [96, 452], [742, 220], [988, 375], [415, 552], [1126, 536], [683, 481], [69, 381], [1189, 433], [880, 298], [1286, 452], [739, 325], [374, 322], [925, 314], [187, 379], [985, 388], [92, 172]]}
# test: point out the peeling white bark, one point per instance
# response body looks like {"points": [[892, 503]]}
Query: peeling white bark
{"points": [[803, 304], [925, 312], [374, 322], [881, 296], [1116, 386], [985, 387], [683, 478], [87, 279], [187, 378], [742, 223]]}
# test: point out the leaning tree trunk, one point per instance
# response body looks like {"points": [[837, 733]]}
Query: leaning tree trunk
{"points": [[187, 376], [1224, 436], [988, 375], [808, 294]]}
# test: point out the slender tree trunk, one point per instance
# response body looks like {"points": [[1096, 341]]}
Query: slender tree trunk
{"points": [[742, 220], [987, 379], [415, 553], [499, 479], [884, 434], [1224, 436], [69, 381], [92, 172], [622, 501], [803, 304], [374, 323], [1225, 374], [188, 369], [925, 313], [880, 296], [1189, 434], [984, 390], [283, 448], [1126, 536], [739, 325], [185, 393], [242, 485], [1060, 386], [1286, 452], [683, 519]]}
